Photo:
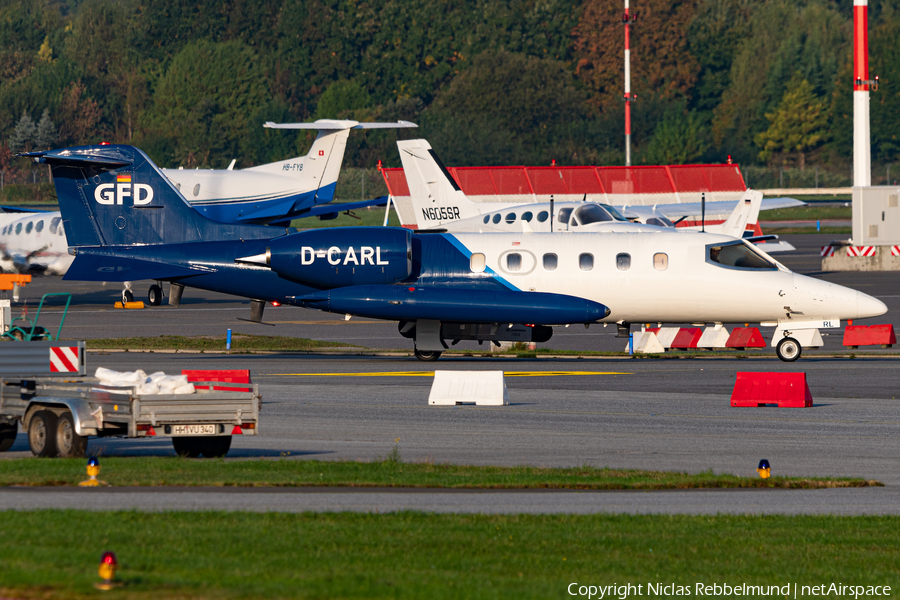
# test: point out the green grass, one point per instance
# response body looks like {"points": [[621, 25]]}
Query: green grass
{"points": [[54, 554], [213, 343], [811, 212], [389, 472]]}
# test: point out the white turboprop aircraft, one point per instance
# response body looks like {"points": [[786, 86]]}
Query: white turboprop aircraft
{"points": [[276, 193], [439, 203], [33, 241], [273, 193]]}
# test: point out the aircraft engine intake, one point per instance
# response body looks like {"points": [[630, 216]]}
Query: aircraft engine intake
{"points": [[332, 258]]}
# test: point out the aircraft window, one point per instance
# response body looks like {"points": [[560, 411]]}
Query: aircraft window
{"points": [[550, 262], [660, 222], [623, 262], [487, 219], [18, 228], [564, 215], [196, 190], [514, 262], [592, 213], [496, 218], [614, 212], [527, 216], [586, 261], [511, 218], [542, 216], [40, 226], [477, 263], [739, 255], [54, 223], [29, 227], [660, 261], [3, 232]]}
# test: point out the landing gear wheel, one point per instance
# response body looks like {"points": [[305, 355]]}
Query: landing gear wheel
{"points": [[427, 356], [788, 349], [215, 447], [186, 447], [68, 443], [8, 433], [127, 296], [154, 295], [42, 434]]}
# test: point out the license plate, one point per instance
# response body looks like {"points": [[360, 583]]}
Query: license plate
{"points": [[194, 430]]}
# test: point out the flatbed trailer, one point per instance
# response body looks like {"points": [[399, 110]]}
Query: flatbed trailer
{"points": [[60, 415]]}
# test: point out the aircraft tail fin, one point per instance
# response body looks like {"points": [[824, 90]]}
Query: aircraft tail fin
{"points": [[112, 195], [746, 211], [322, 165], [436, 197]]}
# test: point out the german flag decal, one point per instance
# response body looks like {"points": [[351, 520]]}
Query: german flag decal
{"points": [[123, 178]]}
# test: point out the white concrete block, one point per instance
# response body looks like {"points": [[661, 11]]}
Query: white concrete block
{"points": [[646, 342], [713, 338], [484, 388]]}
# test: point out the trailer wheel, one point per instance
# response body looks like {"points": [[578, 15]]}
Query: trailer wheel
{"points": [[42, 434], [68, 443], [154, 295], [186, 447], [8, 435], [215, 447]]}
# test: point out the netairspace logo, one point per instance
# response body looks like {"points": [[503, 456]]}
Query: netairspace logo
{"points": [[719, 590]]}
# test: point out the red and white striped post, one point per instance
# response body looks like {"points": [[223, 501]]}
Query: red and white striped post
{"points": [[862, 161], [627, 20]]}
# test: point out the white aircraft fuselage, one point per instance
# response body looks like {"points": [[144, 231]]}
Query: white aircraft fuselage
{"points": [[669, 277]]}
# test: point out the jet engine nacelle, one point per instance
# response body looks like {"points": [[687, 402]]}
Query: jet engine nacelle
{"points": [[332, 258]]}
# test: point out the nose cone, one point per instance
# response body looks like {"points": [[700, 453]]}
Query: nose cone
{"points": [[867, 306]]}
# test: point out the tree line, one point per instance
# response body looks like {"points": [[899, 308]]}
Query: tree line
{"points": [[489, 82]]}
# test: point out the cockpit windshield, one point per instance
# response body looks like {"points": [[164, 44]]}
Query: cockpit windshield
{"points": [[596, 213], [738, 255], [590, 213], [615, 213]]}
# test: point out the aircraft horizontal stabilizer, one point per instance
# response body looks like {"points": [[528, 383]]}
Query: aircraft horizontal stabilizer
{"points": [[104, 266], [336, 124], [108, 157], [19, 209], [339, 207]]}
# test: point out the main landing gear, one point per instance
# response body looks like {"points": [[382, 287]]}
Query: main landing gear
{"points": [[427, 355], [155, 294]]}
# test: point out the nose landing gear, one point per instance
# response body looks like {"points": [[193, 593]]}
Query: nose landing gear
{"points": [[788, 349]]}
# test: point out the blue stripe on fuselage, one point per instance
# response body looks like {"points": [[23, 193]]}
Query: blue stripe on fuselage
{"points": [[440, 259]]}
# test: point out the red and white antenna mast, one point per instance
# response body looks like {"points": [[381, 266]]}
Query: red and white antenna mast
{"points": [[628, 19], [862, 147]]}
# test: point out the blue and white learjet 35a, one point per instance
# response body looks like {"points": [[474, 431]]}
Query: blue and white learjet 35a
{"points": [[439, 286]]}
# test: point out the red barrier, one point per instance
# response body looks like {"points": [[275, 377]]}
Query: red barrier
{"points": [[787, 390], [687, 338], [745, 337], [873, 335], [230, 376]]}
